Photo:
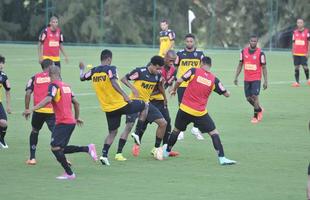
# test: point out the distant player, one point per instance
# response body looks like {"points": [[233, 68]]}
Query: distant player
{"points": [[113, 101], [61, 97], [4, 82], [300, 50], [145, 79], [201, 83], [188, 58], [253, 60], [51, 43], [38, 86], [166, 38]]}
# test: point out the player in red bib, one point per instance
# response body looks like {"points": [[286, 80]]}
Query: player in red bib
{"points": [[50, 43], [254, 61], [61, 97], [300, 50], [201, 83]]}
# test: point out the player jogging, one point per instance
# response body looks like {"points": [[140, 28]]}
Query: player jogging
{"points": [[201, 83], [253, 60]]}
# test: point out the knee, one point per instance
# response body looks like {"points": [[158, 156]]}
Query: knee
{"points": [[54, 149], [162, 123], [249, 99], [34, 131], [305, 68], [3, 123]]}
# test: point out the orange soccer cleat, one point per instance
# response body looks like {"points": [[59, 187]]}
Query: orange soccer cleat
{"points": [[295, 85], [260, 115], [254, 120], [308, 82], [173, 154], [135, 150], [31, 162]]}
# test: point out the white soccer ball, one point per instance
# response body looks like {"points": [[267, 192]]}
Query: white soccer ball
{"points": [[158, 154]]}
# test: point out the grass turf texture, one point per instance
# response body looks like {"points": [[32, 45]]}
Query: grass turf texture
{"points": [[272, 156]]}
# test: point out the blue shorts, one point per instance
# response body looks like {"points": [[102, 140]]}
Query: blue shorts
{"points": [[251, 88]]}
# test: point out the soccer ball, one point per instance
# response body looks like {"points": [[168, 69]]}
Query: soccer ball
{"points": [[158, 154]]}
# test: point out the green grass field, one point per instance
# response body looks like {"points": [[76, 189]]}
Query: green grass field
{"points": [[272, 156]]}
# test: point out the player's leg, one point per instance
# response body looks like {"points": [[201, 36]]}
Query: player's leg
{"points": [[3, 127], [304, 63], [308, 184], [247, 92], [57, 63], [140, 127], [297, 64], [258, 111]]}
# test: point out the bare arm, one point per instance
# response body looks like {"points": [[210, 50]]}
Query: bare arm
{"points": [[27, 99], [162, 91], [265, 84], [129, 85], [119, 90], [238, 71], [76, 107], [40, 51], [43, 103], [62, 49], [176, 86], [8, 101]]}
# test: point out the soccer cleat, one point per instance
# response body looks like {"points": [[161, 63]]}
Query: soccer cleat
{"points": [[260, 114], [66, 176], [3, 145], [165, 152], [295, 84], [153, 151], [181, 136], [120, 157], [158, 154], [254, 120], [225, 161], [308, 82], [195, 131], [31, 161], [135, 150], [136, 138], [173, 154], [92, 152], [104, 161]]}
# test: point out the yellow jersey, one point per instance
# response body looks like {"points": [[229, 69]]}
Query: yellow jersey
{"points": [[165, 40]]}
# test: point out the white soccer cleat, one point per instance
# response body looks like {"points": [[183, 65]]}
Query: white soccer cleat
{"points": [[225, 161], [158, 153], [181, 136], [195, 131], [104, 161], [3, 145], [136, 138], [66, 176]]}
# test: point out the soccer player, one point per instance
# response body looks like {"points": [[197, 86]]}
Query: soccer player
{"points": [[300, 50], [201, 83], [61, 97], [166, 38], [254, 61], [113, 101], [157, 98], [51, 42], [4, 82], [145, 79], [38, 86], [186, 59]]}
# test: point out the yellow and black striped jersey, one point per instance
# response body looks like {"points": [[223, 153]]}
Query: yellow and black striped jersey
{"points": [[165, 39]]}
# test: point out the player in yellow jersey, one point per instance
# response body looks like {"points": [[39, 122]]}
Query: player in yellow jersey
{"points": [[166, 38], [113, 100]]}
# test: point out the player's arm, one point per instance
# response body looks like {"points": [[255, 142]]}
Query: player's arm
{"points": [[239, 68], [42, 37], [186, 77], [308, 36], [85, 76], [171, 36], [29, 90], [220, 89], [133, 75], [7, 88], [112, 73], [62, 48], [76, 107], [264, 66], [162, 90]]}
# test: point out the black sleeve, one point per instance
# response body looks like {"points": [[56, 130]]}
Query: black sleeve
{"points": [[241, 56], [52, 90], [262, 58], [4, 83], [218, 87], [188, 74], [88, 75], [133, 75], [30, 84], [43, 35], [61, 39]]}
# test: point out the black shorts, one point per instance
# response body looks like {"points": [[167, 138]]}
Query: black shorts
{"points": [[152, 115], [61, 135], [2, 112], [57, 63], [114, 117], [251, 88], [180, 92], [38, 120], [204, 123], [300, 60], [160, 105]]}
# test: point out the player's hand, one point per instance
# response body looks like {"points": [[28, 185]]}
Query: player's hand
{"points": [[227, 94], [173, 92], [79, 122], [236, 82], [265, 85], [27, 113], [40, 59], [8, 110], [66, 59], [135, 93], [127, 99], [81, 65], [165, 103]]}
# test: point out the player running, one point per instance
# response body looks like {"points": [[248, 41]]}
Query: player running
{"points": [[300, 50], [113, 101], [61, 97], [4, 82], [166, 38], [145, 79], [51, 42], [186, 59], [38, 86], [201, 83], [254, 61]]}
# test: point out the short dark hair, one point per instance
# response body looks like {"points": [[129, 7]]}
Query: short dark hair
{"points": [[254, 36], [157, 60], [46, 63], [206, 60], [2, 59], [164, 21], [105, 54], [189, 35]]}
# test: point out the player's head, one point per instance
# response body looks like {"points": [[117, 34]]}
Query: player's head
{"points": [[106, 56], [164, 25], [170, 57], [206, 62], [46, 63], [54, 72], [190, 41], [300, 23], [156, 63], [2, 62], [53, 23], [253, 41]]}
